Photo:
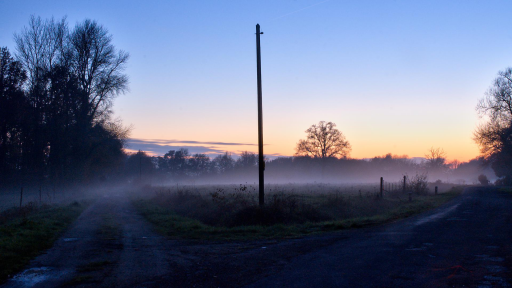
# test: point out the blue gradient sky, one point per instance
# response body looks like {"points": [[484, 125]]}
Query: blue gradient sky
{"points": [[395, 76]]}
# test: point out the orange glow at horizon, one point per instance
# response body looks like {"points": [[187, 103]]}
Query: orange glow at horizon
{"points": [[360, 149], [370, 135]]}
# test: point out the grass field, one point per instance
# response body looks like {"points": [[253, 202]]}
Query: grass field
{"points": [[26, 231], [231, 212]]}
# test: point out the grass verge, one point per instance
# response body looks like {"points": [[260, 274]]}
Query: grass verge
{"points": [[330, 215], [506, 189], [25, 232]]}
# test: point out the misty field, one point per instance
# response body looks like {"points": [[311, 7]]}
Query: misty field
{"points": [[48, 195], [232, 211], [35, 196]]}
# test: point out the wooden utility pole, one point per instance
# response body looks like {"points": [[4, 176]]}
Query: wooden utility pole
{"points": [[21, 197], [261, 161]]}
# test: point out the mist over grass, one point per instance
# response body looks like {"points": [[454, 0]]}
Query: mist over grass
{"points": [[232, 212], [181, 167]]}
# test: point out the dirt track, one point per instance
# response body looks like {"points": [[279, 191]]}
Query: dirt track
{"points": [[464, 243]]}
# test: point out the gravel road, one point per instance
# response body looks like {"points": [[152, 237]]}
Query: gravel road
{"points": [[465, 243]]}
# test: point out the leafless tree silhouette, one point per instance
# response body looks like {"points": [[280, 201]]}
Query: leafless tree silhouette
{"points": [[495, 135], [497, 106], [323, 141], [98, 65], [41, 46], [436, 158]]}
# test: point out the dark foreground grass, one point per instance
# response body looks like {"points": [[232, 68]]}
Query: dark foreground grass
{"points": [[175, 216], [25, 232], [506, 189]]}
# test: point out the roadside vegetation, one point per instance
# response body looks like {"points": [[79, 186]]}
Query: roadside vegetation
{"points": [[232, 213], [26, 231]]}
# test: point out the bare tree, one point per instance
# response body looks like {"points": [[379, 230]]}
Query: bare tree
{"points": [[497, 103], [454, 164], [497, 107], [40, 46], [99, 66], [323, 141], [87, 51], [436, 158], [494, 136]]}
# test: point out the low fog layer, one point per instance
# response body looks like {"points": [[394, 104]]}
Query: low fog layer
{"points": [[180, 167]]}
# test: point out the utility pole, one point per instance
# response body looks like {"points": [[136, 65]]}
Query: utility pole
{"points": [[261, 161]]}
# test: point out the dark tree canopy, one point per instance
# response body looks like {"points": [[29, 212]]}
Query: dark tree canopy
{"points": [[323, 141], [13, 109], [246, 160], [139, 165], [224, 162], [174, 162], [199, 164], [55, 102]]}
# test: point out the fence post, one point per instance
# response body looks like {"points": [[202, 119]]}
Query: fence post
{"points": [[40, 197], [404, 182], [21, 197], [436, 191], [381, 187]]}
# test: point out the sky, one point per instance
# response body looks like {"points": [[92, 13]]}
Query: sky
{"points": [[395, 77]]}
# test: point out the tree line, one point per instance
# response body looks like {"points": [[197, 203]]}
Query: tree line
{"points": [[181, 166], [56, 95]]}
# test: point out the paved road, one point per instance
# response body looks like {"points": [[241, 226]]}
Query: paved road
{"points": [[466, 243]]}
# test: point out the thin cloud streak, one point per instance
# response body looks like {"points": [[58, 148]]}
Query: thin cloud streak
{"points": [[158, 147], [168, 142]]}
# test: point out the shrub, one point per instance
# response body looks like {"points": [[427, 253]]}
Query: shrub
{"points": [[483, 179], [419, 184]]}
